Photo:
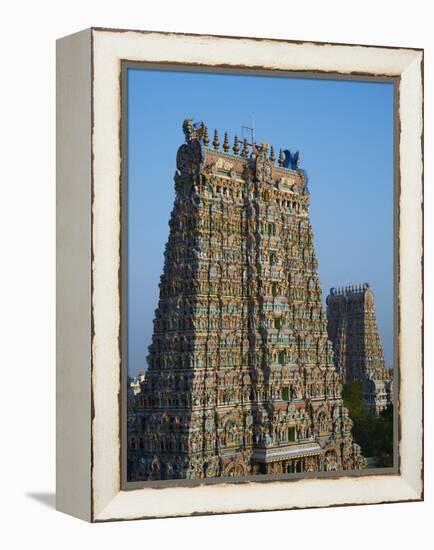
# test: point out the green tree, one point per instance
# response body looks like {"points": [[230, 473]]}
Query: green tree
{"points": [[374, 434]]}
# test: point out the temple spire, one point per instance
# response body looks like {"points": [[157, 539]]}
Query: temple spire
{"points": [[233, 290]]}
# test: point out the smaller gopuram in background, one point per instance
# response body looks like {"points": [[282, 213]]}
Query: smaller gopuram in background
{"points": [[358, 353]]}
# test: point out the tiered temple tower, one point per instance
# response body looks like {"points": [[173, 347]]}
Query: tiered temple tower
{"points": [[240, 377], [358, 353]]}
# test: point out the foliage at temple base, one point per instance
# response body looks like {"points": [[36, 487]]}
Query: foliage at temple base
{"points": [[374, 434]]}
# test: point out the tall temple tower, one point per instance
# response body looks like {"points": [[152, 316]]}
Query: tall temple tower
{"points": [[358, 353], [240, 377]]}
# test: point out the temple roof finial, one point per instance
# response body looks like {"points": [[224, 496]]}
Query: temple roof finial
{"points": [[281, 160], [226, 145], [236, 147], [205, 136], [272, 156], [245, 151], [216, 141]]}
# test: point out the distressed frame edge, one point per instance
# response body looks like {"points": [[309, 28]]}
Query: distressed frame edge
{"points": [[411, 296], [73, 274], [412, 491], [254, 38], [113, 510]]}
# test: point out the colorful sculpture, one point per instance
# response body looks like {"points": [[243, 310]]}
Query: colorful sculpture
{"points": [[240, 377]]}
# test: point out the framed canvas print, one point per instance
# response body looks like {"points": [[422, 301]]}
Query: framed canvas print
{"points": [[239, 303]]}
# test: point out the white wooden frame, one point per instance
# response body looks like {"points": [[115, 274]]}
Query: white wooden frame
{"points": [[88, 262]]}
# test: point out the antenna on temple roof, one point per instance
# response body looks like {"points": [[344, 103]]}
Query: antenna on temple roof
{"points": [[249, 130]]}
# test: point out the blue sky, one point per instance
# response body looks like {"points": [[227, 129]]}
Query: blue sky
{"points": [[344, 132]]}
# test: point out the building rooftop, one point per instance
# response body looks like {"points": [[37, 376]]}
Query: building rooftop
{"points": [[349, 289], [198, 131]]}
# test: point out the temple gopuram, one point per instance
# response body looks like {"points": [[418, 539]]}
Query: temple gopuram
{"points": [[240, 378], [358, 353]]}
